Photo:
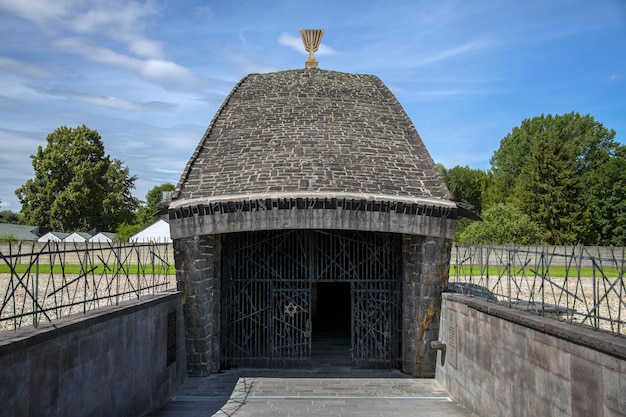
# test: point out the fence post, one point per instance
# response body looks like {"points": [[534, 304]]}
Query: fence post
{"points": [[487, 272], [543, 280], [138, 252], [84, 269], [36, 294], [153, 249], [594, 317], [510, 275], [118, 267]]}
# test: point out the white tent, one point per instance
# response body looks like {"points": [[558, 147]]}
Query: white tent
{"points": [[102, 237], [77, 237], [53, 236], [156, 232]]}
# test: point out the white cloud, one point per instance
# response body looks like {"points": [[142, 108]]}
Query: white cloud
{"points": [[118, 20], [15, 164], [40, 12], [117, 103], [22, 68], [167, 74], [146, 48], [448, 53], [89, 50]]}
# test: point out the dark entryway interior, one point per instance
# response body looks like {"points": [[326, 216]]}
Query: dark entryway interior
{"points": [[331, 324]]}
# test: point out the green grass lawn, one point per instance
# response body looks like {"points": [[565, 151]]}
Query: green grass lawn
{"points": [[463, 271], [552, 271]]}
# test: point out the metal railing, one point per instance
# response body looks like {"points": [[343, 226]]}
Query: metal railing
{"points": [[42, 282], [576, 284]]}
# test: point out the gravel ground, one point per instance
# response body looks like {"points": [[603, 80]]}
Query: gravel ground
{"points": [[573, 295], [65, 290]]}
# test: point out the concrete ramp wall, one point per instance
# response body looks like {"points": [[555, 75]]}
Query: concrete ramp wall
{"points": [[115, 361], [504, 362]]}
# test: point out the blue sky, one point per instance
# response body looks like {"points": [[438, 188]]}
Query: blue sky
{"points": [[150, 75]]}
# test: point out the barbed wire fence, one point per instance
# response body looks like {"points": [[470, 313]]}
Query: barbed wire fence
{"points": [[42, 282], [575, 284]]}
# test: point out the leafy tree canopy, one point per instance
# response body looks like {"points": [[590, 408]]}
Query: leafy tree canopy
{"points": [[8, 216], [77, 186], [588, 142], [466, 185], [607, 201], [548, 191], [502, 224], [146, 213], [125, 231], [550, 168]]}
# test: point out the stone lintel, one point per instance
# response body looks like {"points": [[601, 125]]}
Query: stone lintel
{"points": [[426, 217]]}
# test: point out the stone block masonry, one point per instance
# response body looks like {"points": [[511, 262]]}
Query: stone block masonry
{"points": [[117, 361], [198, 261], [513, 363], [425, 273]]}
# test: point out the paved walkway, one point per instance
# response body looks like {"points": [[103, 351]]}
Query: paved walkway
{"points": [[252, 392]]}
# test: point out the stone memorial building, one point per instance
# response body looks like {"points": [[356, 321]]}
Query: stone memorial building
{"points": [[311, 225]]}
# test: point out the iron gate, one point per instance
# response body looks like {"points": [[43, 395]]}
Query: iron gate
{"points": [[266, 294]]}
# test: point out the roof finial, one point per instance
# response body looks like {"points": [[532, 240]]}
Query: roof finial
{"points": [[312, 39]]}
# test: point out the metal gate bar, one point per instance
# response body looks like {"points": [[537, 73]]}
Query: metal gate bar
{"points": [[267, 279]]}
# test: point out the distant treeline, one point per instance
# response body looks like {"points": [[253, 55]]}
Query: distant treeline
{"points": [[554, 179]]}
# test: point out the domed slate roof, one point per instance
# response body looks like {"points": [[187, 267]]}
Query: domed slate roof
{"points": [[308, 132]]}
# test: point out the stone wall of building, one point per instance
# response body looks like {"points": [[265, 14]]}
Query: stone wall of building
{"points": [[504, 362], [425, 264], [425, 273], [198, 275], [122, 360]]}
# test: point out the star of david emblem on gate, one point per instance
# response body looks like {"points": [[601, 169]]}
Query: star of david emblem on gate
{"points": [[291, 309]]}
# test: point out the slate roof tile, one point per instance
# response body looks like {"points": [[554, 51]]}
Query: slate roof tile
{"points": [[311, 130]]}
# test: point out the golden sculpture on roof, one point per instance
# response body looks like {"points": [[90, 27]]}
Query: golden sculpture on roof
{"points": [[312, 39]]}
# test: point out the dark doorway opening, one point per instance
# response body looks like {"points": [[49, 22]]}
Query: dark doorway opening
{"points": [[332, 338]]}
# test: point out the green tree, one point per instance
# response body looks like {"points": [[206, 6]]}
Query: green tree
{"points": [[146, 213], [466, 185], [589, 143], [548, 191], [125, 231], [76, 185], [588, 146], [8, 216], [502, 224], [607, 200], [8, 238]]}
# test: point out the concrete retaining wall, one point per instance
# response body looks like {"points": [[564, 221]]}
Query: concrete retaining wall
{"points": [[554, 256], [110, 362], [503, 362]]}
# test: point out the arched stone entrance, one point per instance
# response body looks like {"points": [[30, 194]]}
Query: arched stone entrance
{"points": [[319, 158], [232, 289]]}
